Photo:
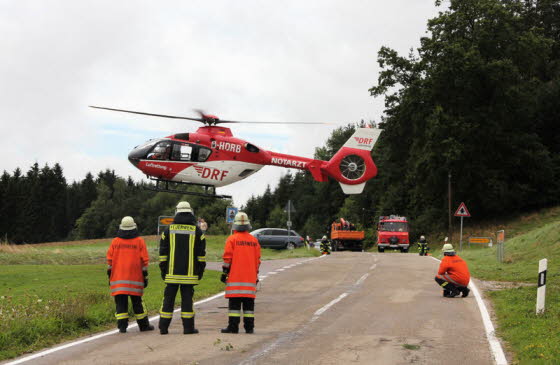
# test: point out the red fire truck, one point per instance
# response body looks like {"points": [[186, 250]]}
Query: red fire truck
{"points": [[392, 232]]}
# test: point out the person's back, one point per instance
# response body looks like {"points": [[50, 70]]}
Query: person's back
{"points": [[456, 268], [244, 251], [128, 257]]}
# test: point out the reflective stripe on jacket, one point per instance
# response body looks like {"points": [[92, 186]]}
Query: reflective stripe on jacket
{"points": [[455, 270], [127, 258], [183, 248], [242, 255]]}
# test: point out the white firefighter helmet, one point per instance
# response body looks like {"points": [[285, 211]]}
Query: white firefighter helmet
{"points": [[127, 224], [241, 222], [183, 207], [448, 247], [324, 238], [422, 238]]}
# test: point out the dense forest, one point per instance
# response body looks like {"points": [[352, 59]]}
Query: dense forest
{"points": [[40, 206], [478, 100]]}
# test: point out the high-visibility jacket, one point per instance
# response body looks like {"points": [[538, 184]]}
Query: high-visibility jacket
{"points": [[325, 246], [454, 270], [182, 251], [127, 258], [242, 256]]}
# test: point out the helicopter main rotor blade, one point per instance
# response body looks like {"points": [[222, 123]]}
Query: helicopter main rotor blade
{"points": [[149, 114], [232, 121], [206, 119]]}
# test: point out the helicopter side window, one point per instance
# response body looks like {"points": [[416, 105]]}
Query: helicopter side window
{"points": [[161, 151], [182, 152], [203, 154]]}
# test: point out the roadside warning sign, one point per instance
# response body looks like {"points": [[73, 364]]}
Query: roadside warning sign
{"points": [[462, 211]]}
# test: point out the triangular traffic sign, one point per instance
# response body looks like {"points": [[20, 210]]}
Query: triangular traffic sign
{"points": [[462, 211]]}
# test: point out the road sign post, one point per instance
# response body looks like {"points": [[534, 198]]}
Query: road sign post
{"points": [[462, 212], [481, 241], [500, 240], [230, 216], [163, 221], [541, 286], [289, 209]]}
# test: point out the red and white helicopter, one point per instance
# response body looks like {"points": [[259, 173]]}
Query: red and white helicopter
{"points": [[212, 157]]}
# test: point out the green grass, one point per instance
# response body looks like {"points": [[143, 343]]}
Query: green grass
{"points": [[56, 292], [41, 305], [95, 253], [532, 338]]}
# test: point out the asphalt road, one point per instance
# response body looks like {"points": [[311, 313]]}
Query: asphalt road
{"points": [[346, 308]]}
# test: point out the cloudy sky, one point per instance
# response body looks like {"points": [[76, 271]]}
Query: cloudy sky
{"points": [[241, 60]]}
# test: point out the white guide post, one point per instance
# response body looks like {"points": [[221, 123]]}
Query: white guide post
{"points": [[461, 236], [541, 286]]}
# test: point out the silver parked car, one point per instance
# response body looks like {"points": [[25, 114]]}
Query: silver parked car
{"points": [[278, 238]]}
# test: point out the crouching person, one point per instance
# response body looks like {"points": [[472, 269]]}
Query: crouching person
{"points": [[182, 251], [242, 258], [453, 274], [128, 260]]}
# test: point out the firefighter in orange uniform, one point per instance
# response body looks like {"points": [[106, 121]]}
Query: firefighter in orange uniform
{"points": [[453, 274], [242, 258], [128, 260]]}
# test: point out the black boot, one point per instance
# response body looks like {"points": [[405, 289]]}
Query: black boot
{"points": [[122, 324], [188, 326], [465, 291], [144, 325], [164, 325], [249, 324], [451, 292], [233, 325]]}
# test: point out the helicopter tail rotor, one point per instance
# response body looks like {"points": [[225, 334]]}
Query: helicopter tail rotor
{"points": [[352, 165]]}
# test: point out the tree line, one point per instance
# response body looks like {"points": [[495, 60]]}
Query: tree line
{"points": [[40, 206], [477, 101]]}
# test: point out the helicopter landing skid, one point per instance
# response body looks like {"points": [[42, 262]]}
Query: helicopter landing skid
{"points": [[209, 190]]}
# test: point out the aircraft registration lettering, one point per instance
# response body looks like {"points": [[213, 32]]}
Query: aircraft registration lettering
{"points": [[229, 147], [287, 162]]}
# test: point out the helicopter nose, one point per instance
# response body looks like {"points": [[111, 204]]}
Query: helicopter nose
{"points": [[134, 157]]}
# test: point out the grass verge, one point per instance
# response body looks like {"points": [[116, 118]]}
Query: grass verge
{"points": [[532, 338], [94, 252], [42, 305]]}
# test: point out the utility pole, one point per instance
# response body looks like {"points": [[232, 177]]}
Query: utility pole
{"points": [[450, 228]]}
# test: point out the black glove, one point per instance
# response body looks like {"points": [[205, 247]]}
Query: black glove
{"points": [[223, 279], [200, 275], [145, 282], [109, 273], [163, 268]]}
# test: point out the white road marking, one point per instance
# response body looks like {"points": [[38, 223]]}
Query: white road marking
{"points": [[272, 273], [282, 269], [373, 266], [361, 280], [316, 315], [327, 306], [112, 332], [495, 345]]}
